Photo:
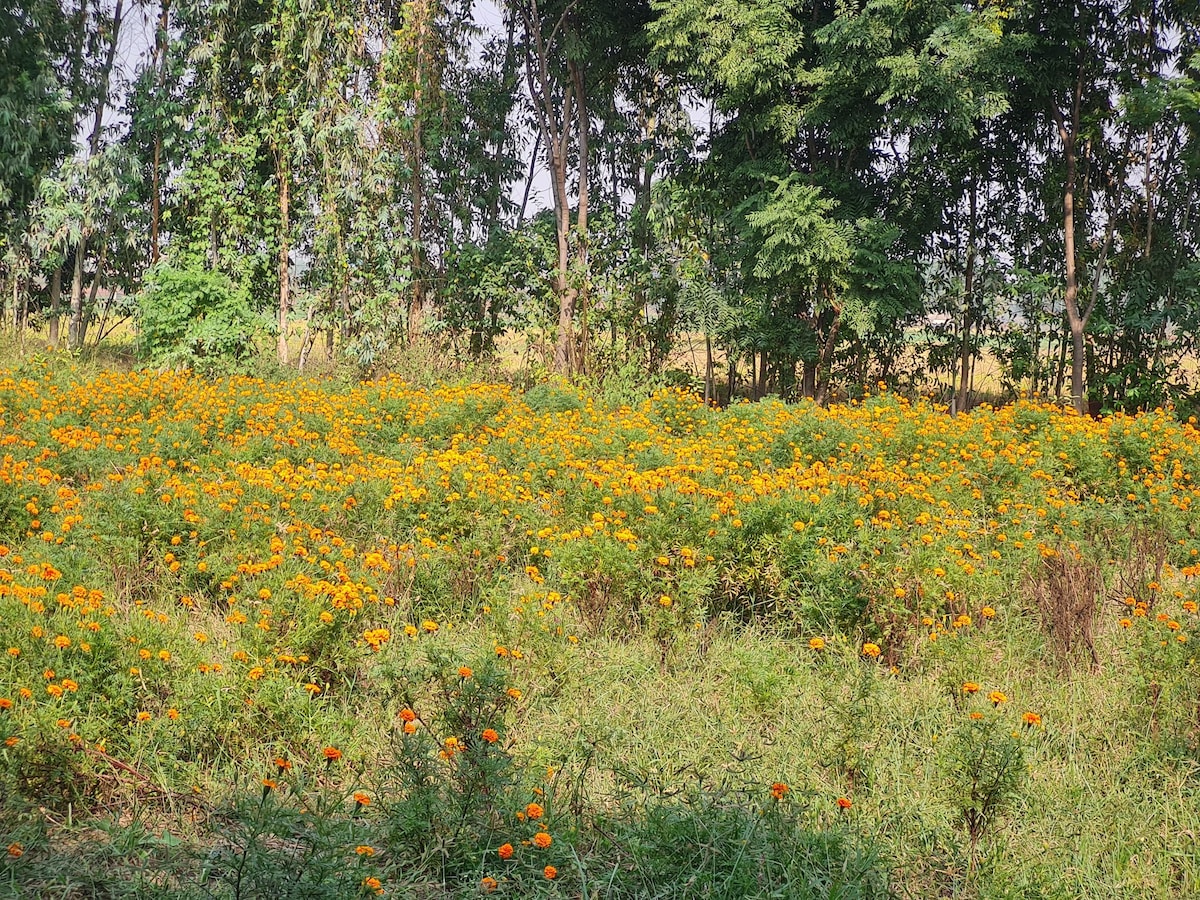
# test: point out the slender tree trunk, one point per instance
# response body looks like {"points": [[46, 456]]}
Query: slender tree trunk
{"points": [[160, 51], [554, 124], [74, 325], [825, 365], [75, 330], [966, 353], [709, 387], [55, 304], [1076, 322], [281, 162], [307, 341], [94, 290], [416, 305], [582, 271]]}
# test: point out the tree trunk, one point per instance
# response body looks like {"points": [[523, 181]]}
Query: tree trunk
{"points": [[74, 326], [281, 347], [554, 125], [55, 304], [75, 329], [965, 351], [1069, 134], [825, 364], [582, 271], [708, 370], [160, 51], [416, 304]]}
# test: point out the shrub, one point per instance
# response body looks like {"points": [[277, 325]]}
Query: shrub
{"points": [[196, 319]]}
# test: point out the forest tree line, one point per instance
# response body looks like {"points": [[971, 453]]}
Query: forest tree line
{"points": [[824, 192]]}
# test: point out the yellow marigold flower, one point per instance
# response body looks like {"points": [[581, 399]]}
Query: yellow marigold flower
{"points": [[997, 697], [871, 650], [1126, 623], [970, 687], [816, 643], [62, 642], [143, 716], [988, 613]]}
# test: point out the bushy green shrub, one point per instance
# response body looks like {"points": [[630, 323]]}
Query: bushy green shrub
{"points": [[195, 319]]}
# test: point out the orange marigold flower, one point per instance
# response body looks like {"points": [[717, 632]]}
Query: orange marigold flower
{"points": [[541, 840], [1031, 719], [997, 697], [490, 735], [15, 850], [361, 799], [410, 727], [364, 850], [505, 851], [407, 715], [333, 754], [977, 715], [988, 613], [465, 672], [373, 884], [844, 803], [283, 763], [5, 703], [488, 883], [970, 687], [269, 784], [550, 872], [1126, 623], [534, 811], [779, 789], [143, 716]]}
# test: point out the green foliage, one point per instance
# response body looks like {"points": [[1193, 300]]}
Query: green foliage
{"points": [[195, 318]]}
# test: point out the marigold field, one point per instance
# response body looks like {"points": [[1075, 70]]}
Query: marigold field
{"points": [[288, 638]]}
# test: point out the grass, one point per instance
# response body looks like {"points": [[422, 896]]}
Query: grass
{"points": [[289, 638]]}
